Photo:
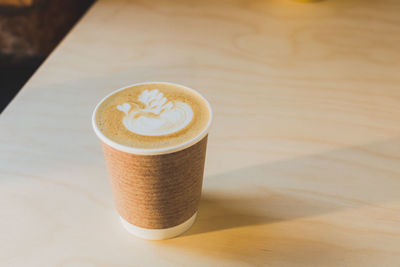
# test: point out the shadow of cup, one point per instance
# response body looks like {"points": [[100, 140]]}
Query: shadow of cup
{"points": [[224, 211]]}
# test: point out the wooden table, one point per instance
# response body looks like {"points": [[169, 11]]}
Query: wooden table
{"points": [[303, 160]]}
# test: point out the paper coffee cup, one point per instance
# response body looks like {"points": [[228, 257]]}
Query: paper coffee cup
{"points": [[156, 189]]}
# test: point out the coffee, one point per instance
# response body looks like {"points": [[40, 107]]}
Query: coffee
{"points": [[153, 116], [154, 138]]}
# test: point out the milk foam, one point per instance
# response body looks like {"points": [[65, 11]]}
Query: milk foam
{"points": [[158, 117]]}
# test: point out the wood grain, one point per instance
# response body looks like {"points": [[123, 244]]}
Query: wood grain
{"points": [[303, 159]]}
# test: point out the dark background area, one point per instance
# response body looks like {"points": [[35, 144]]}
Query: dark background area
{"points": [[29, 31]]}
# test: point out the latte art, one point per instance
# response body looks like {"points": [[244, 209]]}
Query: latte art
{"points": [[154, 115]]}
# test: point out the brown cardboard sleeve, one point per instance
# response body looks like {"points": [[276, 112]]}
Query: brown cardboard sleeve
{"points": [[157, 191]]}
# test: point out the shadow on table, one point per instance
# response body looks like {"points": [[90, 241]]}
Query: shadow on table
{"points": [[226, 212], [247, 214]]}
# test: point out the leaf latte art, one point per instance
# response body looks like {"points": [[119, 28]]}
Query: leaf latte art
{"points": [[154, 115]]}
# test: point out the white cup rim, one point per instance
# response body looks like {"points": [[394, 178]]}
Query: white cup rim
{"points": [[151, 151]]}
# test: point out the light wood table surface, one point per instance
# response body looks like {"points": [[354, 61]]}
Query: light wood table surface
{"points": [[303, 158]]}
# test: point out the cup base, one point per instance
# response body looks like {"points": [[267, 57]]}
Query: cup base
{"points": [[158, 234]]}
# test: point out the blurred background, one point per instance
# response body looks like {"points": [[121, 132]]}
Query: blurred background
{"points": [[29, 31]]}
